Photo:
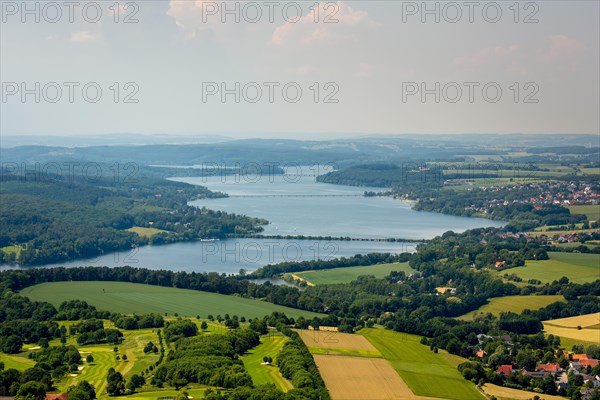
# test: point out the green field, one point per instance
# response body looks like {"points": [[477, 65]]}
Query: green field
{"points": [[578, 267], [426, 373], [145, 232], [193, 393], [590, 244], [105, 358], [345, 275], [16, 361], [332, 351], [514, 304], [129, 298], [591, 211], [96, 372], [12, 249], [262, 374]]}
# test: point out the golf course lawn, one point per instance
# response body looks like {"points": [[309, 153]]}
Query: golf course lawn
{"points": [[129, 298]]}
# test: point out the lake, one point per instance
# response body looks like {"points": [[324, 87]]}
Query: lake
{"points": [[229, 256], [295, 204]]}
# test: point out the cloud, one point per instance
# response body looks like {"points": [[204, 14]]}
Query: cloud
{"points": [[564, 53], [562, 46], [201, 17], [364, 70], [486, 56], [82, 37], [187, 16], [303, 70], [336, 21]]}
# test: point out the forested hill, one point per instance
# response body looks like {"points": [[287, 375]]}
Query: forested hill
{"points": [[52, 220]]}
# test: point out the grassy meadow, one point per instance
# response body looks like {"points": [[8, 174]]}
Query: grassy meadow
{"points": [[578, 267], [419, 367], [135, 298], [345, 275], [514, 304], [591, 211], [261, 373], [145, 232]]}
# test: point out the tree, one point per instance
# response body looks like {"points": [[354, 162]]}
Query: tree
{"points": [[116, 383], [137, 381], [89, 358], [578, 348], [88, 388], [12, 344], [124, 358], [148, 347], [77, 394], [549, 385], [178, 382], [204, 325], [31, 391], [183, 395]]}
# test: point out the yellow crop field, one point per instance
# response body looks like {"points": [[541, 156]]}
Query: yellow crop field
{"points": [[583, 327], [362, 378], [504, 393]]}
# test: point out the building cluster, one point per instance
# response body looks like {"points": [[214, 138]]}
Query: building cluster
{"points": [[564, 193], [579, 364]]}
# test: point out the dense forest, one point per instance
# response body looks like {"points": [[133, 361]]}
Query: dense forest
{"points": [[51, 221]]}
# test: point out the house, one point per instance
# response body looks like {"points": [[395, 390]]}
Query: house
{"points": [[583, 364], [586, 394], [480, 354], [53, 396], [553, 368], [594, 381], [563, 381], [578, 357], [506, 338], [537, 374], [505, 369], [500, 264], [592, 362], [574, 365]]}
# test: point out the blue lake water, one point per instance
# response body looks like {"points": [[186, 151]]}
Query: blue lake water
{"points": [[295, 204], [334, 210], [231, 255]]}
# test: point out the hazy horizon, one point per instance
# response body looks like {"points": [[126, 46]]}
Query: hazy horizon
{"points": [[342, 68]]}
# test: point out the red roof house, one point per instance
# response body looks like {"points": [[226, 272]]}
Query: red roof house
{"points": [[504, 369], [592, 362], [549, 367], [576, 357], [54, 396]]}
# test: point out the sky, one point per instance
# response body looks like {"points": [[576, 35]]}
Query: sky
{"points": [[295, 69]]}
